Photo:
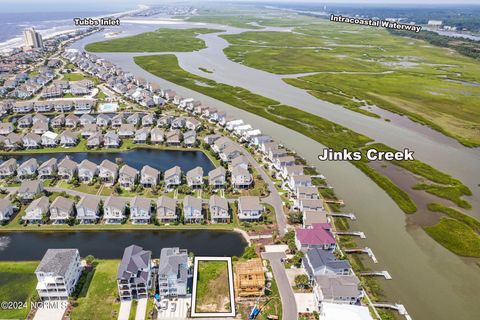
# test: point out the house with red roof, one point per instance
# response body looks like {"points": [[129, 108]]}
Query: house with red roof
{"points": [[317, 236]]}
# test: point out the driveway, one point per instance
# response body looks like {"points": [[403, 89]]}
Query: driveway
{"points": [[124, 312], [289, 304], [180, 312], [141, 309], [51, 311]]}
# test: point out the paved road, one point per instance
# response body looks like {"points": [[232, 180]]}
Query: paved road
{"points": [[274, 198], [289, 304]]}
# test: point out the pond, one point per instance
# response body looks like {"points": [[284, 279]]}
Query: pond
{"points": [[158, 159], [23, 246]]}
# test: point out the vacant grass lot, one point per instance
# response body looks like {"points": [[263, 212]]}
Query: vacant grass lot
{"points": [[99, 293], [161, 40], [17, 283], [213, 293], [74, 76], [404, 75]]}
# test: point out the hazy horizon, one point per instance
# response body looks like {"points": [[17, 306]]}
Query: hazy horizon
{"points": [[18, 6]]}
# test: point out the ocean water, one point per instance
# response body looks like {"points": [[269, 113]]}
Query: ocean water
{"points": [[12, 24]]}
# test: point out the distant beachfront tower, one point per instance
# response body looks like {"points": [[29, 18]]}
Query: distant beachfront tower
{"points": [[32, 38]]}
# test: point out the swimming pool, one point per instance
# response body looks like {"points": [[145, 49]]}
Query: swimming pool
{"points": [[108, 107]]}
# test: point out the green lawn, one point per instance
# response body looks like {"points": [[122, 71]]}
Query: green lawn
{"points": [[403, 75], [161, 40], [99, 298], [17, 283], [212, 287], [74, 76], [456, 237]]}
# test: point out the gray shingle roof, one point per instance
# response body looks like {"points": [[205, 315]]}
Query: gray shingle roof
{"points": [[57, 261], [174, 262], [134, 259]]}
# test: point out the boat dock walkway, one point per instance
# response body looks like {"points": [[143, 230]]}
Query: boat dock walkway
{"points": [[399, 307], [383, 273], [366, 250], [351, 233]]}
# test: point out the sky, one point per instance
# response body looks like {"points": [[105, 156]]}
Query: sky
{"points": [[115, 5]]}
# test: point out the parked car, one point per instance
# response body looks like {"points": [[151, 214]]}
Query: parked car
{"points": [[173, 306], [164, 304]]}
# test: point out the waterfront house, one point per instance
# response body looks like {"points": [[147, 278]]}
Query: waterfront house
{"points": [[169, 95], [87, 170], [140, 210], [311, 205], [31, 141], [67, 168], [190, 138], [309, 218], [6, 210], [157, 135], [249, 208], [173, 177], [61, 210], [58, 274], [88, 209], [173, 272], [128, 177], [317, 261], [108, 172], [25, 121], [241, 178], [58, 121], [103, 120], [95, 140], [307, 193], [335, 288], [134, 276], [48, 169], [50, 139], [280, 162], [39, 127], [29, 189], [141, 135], [258, 140], [219, 209], [8, 168], [173, 137], [299, 181], [68, 138], [114, 210], [71, 121], [166, 210], [6, 128], [266, 146], [149, 176], [13, 141], [27, 169], [195, 177], [217, 178], [192, 210], [37, 210], [317, 236], [111, 140], [290, 171], [127, 130], [89, 130]]}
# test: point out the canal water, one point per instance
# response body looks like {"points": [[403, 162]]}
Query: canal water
{"points": [[22, 246], [429, 280], [137, 158]]}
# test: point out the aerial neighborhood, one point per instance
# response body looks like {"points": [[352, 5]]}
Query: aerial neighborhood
{"points": [[87, 146]]}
